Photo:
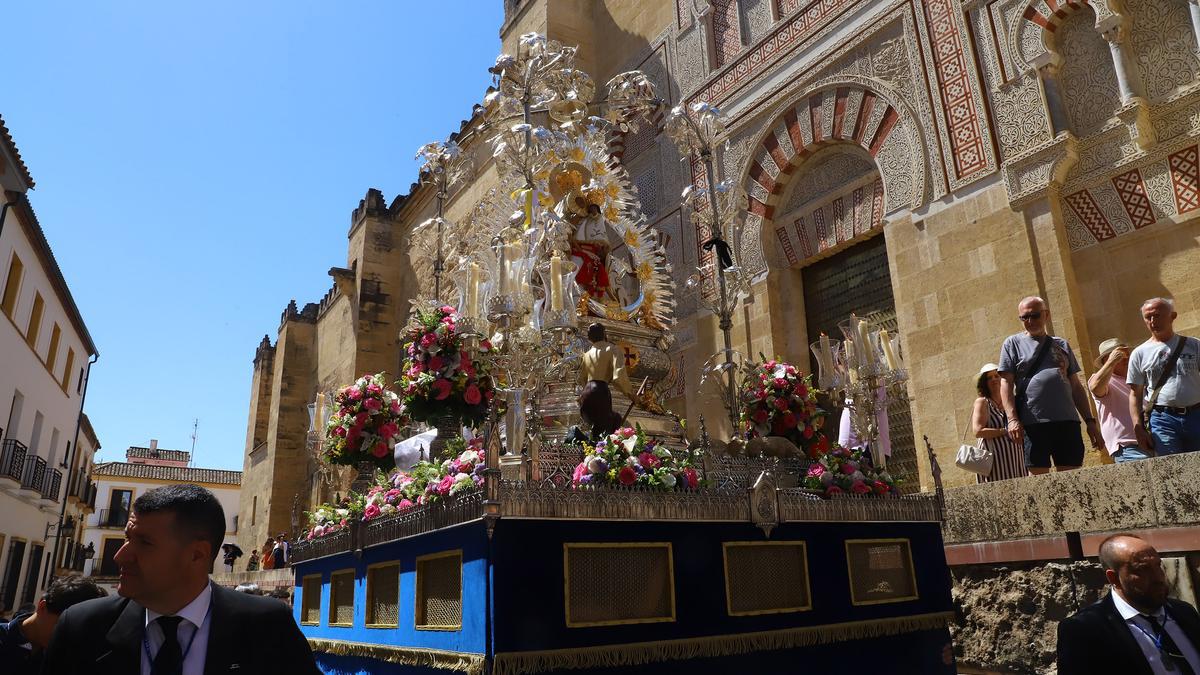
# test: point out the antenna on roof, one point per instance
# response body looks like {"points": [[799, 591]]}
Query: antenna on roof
{"points": [[192, 456]]}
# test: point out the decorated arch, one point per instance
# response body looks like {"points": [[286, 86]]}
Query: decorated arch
{"points": [[862, 117]]}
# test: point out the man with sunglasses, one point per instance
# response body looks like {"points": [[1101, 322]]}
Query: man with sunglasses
{"points": [[1174, 419], [1042, 394], [1136, 628]]}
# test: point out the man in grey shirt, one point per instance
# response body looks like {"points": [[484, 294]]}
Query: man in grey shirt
{"points": [[1175, 418], [1047, 422]]}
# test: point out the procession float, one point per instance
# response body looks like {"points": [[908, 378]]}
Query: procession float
{"points": [[557, 518]]}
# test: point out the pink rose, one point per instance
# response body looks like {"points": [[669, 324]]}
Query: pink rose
{"points": [[770, 365], [340, 431], [444, 485], [471, 395], [578, 474], [373, 404], [860, 488], [428, 340], [649, 461], [374, 389], [815, 470], [404, 504], [780, 382], [354, 394], [371, 513], [441, 389], [448, 311], [849, 468], [361, 418], [833, 490], [394, 408]]}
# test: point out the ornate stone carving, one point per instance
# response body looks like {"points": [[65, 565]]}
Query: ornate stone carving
{"points": [[758, 19], [691, 58], [1089, 84], [825, 173], [1021, 117], [1163, 45], [1032, 175], [1110, 203]]}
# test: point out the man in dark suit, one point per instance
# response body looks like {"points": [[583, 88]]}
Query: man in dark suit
{"points": [[169, 619], [1136, 629]]}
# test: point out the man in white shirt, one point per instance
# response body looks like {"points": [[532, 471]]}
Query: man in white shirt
{"points": [[1175, 417], [1136, 628], [168, 618]]}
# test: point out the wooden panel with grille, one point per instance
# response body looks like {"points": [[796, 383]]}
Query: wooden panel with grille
{"points": [[310, 607], [439, 591], [748, 567], [383, 595], [881, 570], [341, 598], [589, 569], [858, 280]]}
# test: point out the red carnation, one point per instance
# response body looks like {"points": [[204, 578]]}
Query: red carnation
{"points": [[627, 475], [801, 390], [380, 450], [471, 395], [442, 389]]}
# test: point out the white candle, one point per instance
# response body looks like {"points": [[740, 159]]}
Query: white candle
{"points": [[320, 421], [851, 366], [864, 341], [556, 298], [473, 291], [888, 354]]}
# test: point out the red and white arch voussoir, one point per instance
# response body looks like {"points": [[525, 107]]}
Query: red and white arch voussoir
{"points": [[846, 114]]}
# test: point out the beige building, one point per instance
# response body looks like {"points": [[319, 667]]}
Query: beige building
{"points": [[119, 484], [926, 163], [46, 354]]}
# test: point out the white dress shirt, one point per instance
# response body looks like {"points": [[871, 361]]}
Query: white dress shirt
{"points": [[1142, 634], [193, 631]]}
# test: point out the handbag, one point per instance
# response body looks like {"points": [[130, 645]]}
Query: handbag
{"points": [[1168, 368], [1027, 376], [974, 458]]}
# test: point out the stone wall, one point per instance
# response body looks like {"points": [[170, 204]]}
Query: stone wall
{"points": [[1138, 495]]}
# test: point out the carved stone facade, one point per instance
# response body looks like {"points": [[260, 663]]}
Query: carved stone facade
{"points": [[1002, 148]]}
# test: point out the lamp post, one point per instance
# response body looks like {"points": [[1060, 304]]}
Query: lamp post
{"points": [[695, 130]]}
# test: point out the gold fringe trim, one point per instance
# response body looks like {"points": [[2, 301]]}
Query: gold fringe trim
{"points": [[638, 653], [461, 662]]}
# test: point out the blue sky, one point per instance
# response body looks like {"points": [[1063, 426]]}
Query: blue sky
{"points": [[196, 166]]}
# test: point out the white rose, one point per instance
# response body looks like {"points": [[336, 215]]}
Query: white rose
{"points": [[668, 480], [469, 456], [342, 512], [594, 464], [857, 475], [632, 461], [462, 477], [387, 508]]}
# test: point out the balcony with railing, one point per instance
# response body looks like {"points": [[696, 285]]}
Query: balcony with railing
{"points": [[33, 475], [12, 463], [113, 518], [51, 485]]}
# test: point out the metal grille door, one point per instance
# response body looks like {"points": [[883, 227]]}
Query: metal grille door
{"points": [[858, 280]]}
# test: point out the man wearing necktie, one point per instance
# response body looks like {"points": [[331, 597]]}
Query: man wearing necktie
{"points": [[168, 618], [1136, 629]]}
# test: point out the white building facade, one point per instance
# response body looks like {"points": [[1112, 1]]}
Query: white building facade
{"points": [[119, 484], [45, 356]]}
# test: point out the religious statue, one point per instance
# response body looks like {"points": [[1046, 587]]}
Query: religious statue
{"points": [[601, 366]]}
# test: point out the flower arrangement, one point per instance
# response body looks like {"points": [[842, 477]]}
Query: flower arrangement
{"points": [[628, 457], [365, 425], [439, 377], [842, 470], [425, 483], [779, 400]]}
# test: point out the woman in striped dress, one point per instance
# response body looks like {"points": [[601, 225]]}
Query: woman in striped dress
{"points": [[991, 426]]}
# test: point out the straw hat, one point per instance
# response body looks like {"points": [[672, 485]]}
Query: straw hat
{"points": [[988, 367], [1106, 347]]}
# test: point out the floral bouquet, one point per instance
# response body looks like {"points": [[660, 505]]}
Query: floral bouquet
{"points": [[429, 482], [779, 400], [365, 425], [439, 378], [842, 471], [328, 518], [627, 457]]}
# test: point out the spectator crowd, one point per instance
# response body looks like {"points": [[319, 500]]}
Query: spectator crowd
{"points": [[1031, 405]]}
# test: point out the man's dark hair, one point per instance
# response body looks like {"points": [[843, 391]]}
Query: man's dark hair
{"points": [[596, 332], [198, 514], [1109, 557], [71, 590]]}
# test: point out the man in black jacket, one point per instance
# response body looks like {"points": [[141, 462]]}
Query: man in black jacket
{"points": [[169, 619], [1136, 629]]}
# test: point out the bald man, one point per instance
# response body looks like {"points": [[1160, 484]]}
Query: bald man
{"points": [[1174, 419], [1136, 629], [1042, 395]]}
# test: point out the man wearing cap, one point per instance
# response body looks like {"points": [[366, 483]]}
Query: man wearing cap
{"points": [[1111, 393], [1175, 417]]}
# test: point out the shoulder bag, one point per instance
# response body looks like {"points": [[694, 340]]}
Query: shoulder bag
{"points": [[1027, 375], [974, 458], [1168, 368]]}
